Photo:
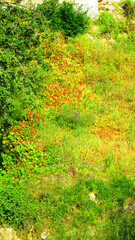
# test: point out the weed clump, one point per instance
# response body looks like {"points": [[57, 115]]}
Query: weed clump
{"points": [[119, 225], [72, 119], [108, 24]]}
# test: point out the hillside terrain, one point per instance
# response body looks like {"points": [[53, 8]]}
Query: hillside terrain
{"points": [[67, 122]]}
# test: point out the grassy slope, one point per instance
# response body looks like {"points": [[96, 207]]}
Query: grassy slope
{"points": [[98, 85], [87, 137]]}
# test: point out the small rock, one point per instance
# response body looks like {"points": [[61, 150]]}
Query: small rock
{"points": [[44, 235], [8, 234], [90, 36], [29, 237], [92, 196]]}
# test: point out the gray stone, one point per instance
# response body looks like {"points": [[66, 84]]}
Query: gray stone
{"points": [[8, 234]]}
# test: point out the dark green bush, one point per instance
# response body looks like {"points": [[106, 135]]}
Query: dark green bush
{"points": [[16, 207], [20, 81], [67, 17], [72, 19], [19, 86], [20, 29], [49, 8], [12, 83]]}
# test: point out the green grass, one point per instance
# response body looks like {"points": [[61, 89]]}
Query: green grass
{"points": [[78, 140]]}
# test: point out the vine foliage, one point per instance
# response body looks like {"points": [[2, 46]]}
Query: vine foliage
{"points": [[20, 81]]}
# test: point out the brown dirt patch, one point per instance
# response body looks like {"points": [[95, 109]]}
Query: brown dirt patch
{"points": [[106, 132]]}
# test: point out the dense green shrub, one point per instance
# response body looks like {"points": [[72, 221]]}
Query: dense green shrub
{"points": [[19, 86], [66, 17], [20, 29], [72, 21], [12, 83], [107, 23], [16, 207], [20, 81], [110, 26], [49, 8]]}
